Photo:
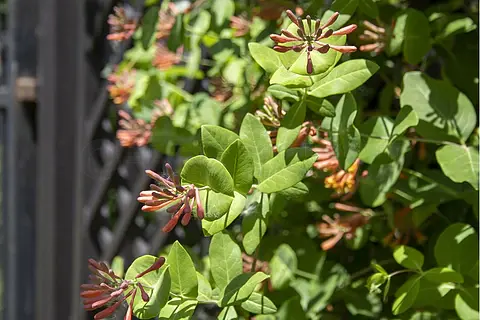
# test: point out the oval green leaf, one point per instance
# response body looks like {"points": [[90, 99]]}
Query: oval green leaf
{"points": [[225, 259], [182, 272], [202, 171]]}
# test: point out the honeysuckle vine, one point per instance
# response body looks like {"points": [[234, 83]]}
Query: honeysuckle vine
{"points": [[317, 173]]}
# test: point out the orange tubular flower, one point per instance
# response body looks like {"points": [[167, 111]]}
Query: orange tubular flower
{"points": [[121, 85], [133, 132], [122, 27], [164, 58], [375, 35], [339, 227], [404, 229], [240, 25]]}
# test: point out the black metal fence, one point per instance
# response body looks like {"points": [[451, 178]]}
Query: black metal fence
{"points": [[68, 188]]}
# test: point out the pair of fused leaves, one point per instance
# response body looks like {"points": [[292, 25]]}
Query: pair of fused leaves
{"points": [[232, 161], [451, 283]]}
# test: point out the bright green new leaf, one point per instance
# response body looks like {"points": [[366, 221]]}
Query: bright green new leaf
{"points": [[200, 27], [459, 163], [212, 227], [344, 135], [283, 266], [118, 266], [222, 11], [225, 259], [290, 126], [215, 140], [368, 7], [241, 287], [228, 313], [149, 26], [346, 8], [266, 57], [254, 224], [408, 257], [182, 272], [239, 164], [344, 78], [178, 309], [417, 36], [215, 204], [379, 131], [466, 304], [203, 171], [375, 281], [406, 295], [259, 304], [156, 285], [257, 141], [204, 289], [441, 275], [406, 118], [283, 93], [286, 169], [444, 112], [457, 248]]}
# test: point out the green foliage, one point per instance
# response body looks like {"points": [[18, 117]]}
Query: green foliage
{"points": [[372, 156]]}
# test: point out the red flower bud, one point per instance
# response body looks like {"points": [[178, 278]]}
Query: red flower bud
{"points": [[155, 266]]}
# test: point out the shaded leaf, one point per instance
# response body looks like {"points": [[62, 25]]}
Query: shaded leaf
{"points": [[178, 309], [254, 224], [239, 164], [406, 295], [417, 36], [408, 257], [215, 140], [290, 126], [241, 287], [212, 227], [283, 266]]}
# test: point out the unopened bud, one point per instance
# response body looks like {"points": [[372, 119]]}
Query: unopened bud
{"points": [[155, 266]]}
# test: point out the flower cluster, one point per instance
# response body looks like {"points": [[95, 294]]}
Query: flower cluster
{"points": [[169, 192], [122, 26], [271, 114], [165, 58], [375, 35], [250, 264], [121, 85], [240, 25], [343, 182], [109, 291], [310, 37], [342, 226], [166, 19]]}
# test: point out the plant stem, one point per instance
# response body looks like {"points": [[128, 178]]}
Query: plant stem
{"points": [[306, 275]]}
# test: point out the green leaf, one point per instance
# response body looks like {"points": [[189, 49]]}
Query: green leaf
{"points": [[320, 106], [406, 295], [444, 112], [215, 140], [289, 79], [285, 170], [155, 283], [406, 118], [212, 227], [241, 287], [283, 93], [178, 309], [466, 304], [200, 27], [204, 289], [225, 259], [346, 8], [228, 313], [344, 78], [408, 257], [182, 272], [459, 163], [441, 275], [254, 224], [266, 57], [118, 266], [359, 240], [283, 266], [379, 131], [395, 43], [222, 11], [149, 26], [257, 141], [259, 304], [344, 135], [457, 248], [380, 269], [291, 309], [290, 126], [216, 205], [375, 281], [295, 193], [177, 34], [368, 7], [417, 36], [381, 177], [203, 171], [239, 164]]}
